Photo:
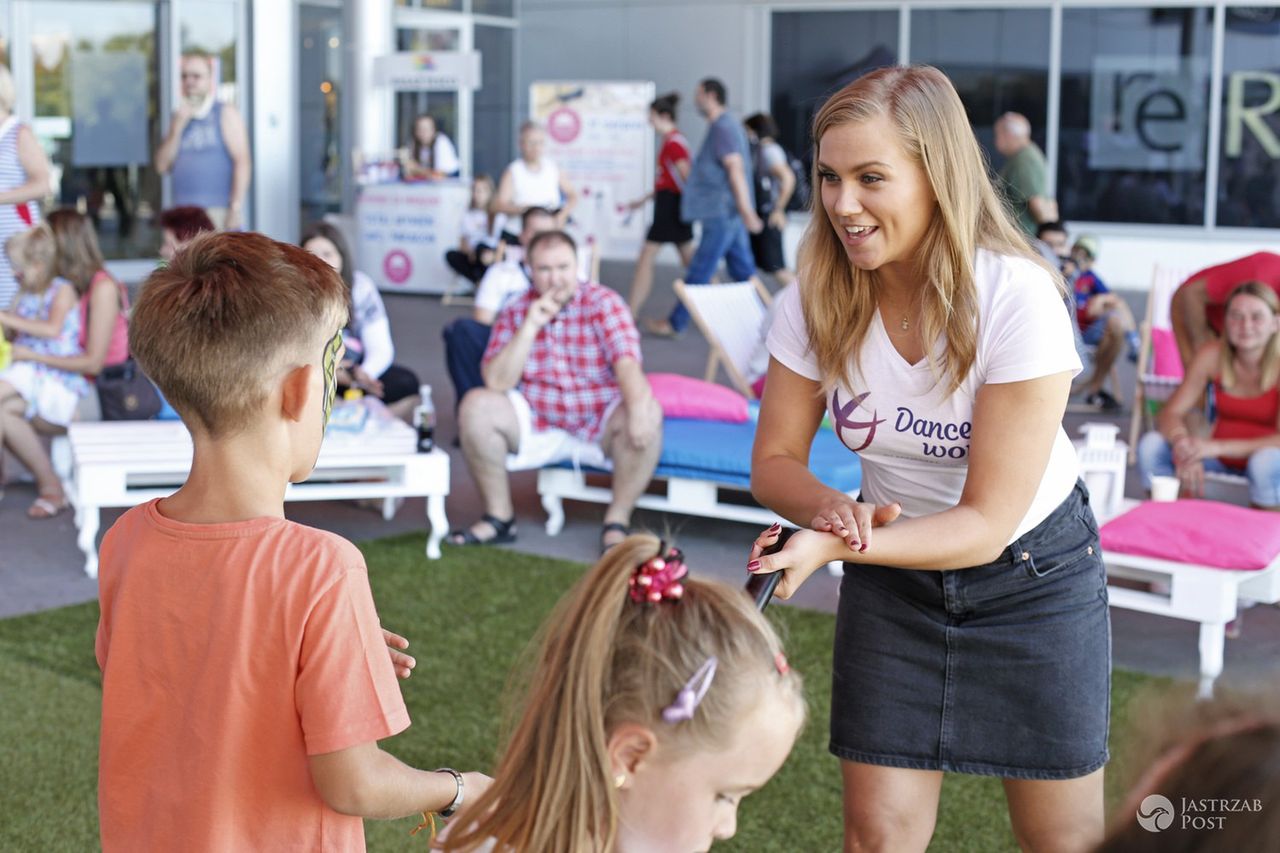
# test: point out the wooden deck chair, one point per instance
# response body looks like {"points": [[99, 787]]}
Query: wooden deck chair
{"points": [[1152, 388], [730, 317]]}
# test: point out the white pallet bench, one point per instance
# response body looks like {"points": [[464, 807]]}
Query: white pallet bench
{"points": [[125, 463], [1205, 594]]}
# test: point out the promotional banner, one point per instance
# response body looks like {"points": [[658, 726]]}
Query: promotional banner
{"points": [[404, 231], [598, 133]]}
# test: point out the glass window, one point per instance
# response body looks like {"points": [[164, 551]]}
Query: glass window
{"points": [[504, 8], [320, 111], [494, 133], [1248, 179], [455, 5], [814, 54], [1135, 93], [95, 114], [209, 26], [998, 60], [442, 106]]}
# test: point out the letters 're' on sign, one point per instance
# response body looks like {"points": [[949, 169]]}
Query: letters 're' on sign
{"points": [[1148, 113]]}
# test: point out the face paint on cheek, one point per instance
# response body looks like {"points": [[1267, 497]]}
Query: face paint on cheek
{"points": [[329, 364]]}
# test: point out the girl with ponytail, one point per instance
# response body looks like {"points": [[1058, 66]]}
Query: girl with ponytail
{"points": [[655, 704]]}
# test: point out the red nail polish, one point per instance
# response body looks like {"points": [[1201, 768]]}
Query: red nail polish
{"points": [[863, 548], [777, 525], [753, 565]]}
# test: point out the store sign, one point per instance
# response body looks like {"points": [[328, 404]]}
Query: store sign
{"points": [[1246, 111], [1148, 114], [438, 71]]}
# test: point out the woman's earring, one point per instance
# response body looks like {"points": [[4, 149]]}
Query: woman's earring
{"points": [[619, 780]]}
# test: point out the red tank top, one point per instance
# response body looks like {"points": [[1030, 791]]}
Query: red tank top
{"points": [[1244, 417]]}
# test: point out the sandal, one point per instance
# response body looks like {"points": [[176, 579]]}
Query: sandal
{"points": [[503, 532], [612, 527], [47, 506]]}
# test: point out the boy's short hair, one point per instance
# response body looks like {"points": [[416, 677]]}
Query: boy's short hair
{"points": [[230, 311], [1045, 227], [544, 239], [185, 222]]}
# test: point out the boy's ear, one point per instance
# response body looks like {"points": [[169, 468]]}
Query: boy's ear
{"points": [[630, 746], [296, 392]]}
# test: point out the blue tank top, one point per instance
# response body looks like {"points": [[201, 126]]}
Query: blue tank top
{"points": [[202, 169]]}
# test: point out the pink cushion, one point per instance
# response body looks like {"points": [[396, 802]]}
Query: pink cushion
{"points": [[686, 397], [1203, 533], [1164, 351]]}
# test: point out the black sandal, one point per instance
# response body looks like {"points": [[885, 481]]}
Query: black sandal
{"points": [[503, 532], [612, 527]]}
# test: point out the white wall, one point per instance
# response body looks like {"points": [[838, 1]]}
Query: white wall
{"points": [[675, 43]]}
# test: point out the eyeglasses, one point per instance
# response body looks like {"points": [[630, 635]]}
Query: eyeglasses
{"points": [[192, 75]]}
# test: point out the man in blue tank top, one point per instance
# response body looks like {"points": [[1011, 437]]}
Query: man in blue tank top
{"points": [[207, 148]]}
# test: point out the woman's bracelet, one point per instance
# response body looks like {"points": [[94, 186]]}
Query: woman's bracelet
{"points": [[453, 807]]}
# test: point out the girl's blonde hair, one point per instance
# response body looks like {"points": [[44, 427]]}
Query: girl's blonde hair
{"points": [[603, 661], [79, 258], [35, 245], [838, 299], [1271, 352]]}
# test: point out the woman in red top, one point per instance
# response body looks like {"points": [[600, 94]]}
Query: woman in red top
{"points": [[673, 168], [1243, 368], [104, 339]]}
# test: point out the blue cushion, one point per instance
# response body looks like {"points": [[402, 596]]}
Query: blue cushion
{"points": [[721, 452]]}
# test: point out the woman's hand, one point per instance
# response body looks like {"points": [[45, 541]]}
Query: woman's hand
{"points": [[805, 552], [778, 220], [22, 353], [852, 520], [1191, 476], [365, 381]]}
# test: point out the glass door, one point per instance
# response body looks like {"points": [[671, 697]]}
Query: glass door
{"points": [[321, 96], [95, 113]]}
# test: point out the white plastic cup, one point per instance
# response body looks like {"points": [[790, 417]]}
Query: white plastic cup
{"points": [[1165, 489]]}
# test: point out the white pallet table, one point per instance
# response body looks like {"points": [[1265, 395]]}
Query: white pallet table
{"points": [[125, 463], [1204, 594]]}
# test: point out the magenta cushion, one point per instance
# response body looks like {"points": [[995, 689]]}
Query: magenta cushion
{"points": [[1204, 533], [1164, 351], [686, 397]]}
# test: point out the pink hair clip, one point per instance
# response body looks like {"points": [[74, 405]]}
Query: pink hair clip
{"points": [[658, 578], [690, 696]]}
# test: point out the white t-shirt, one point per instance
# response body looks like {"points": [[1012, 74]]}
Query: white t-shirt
{"points": [[370, 330], [535, 189], [502, 281], [912, 439]]}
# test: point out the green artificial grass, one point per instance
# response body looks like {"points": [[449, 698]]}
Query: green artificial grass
{"points": [[468, 617]]}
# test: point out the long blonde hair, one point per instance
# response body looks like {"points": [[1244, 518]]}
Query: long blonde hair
{"points": [[604, 660], [1270, 353], [838, 299]]}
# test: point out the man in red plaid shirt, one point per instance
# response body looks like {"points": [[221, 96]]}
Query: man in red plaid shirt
{"points": [[562, 381]]}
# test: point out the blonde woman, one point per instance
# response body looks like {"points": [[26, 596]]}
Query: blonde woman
{"points": [[24, 179], [972, 634], [1243, 368]]}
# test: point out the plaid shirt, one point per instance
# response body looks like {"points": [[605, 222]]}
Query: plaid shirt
{"points": [[568, 377]]}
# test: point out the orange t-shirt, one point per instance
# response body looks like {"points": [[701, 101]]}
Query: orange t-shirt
{"points": [[229, 653]]}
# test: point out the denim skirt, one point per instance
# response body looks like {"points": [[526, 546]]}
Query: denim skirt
{"points": [[999, 670]]}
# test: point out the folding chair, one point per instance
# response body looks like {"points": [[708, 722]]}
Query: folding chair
{"points": [[730, 317]]}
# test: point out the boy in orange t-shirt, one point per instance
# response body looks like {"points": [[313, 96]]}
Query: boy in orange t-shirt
{"points": [[246, 680]]}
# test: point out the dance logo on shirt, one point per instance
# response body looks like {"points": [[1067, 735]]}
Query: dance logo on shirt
{"points": [[906, 422]]}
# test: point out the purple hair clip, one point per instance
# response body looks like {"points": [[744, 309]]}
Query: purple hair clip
{"points": [[690, 696], [658, 578]]}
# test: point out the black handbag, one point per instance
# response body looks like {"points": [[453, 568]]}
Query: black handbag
{"points": [[126, 394]]}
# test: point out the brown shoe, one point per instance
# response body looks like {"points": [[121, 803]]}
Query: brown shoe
{"points": [[659, 328]]}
